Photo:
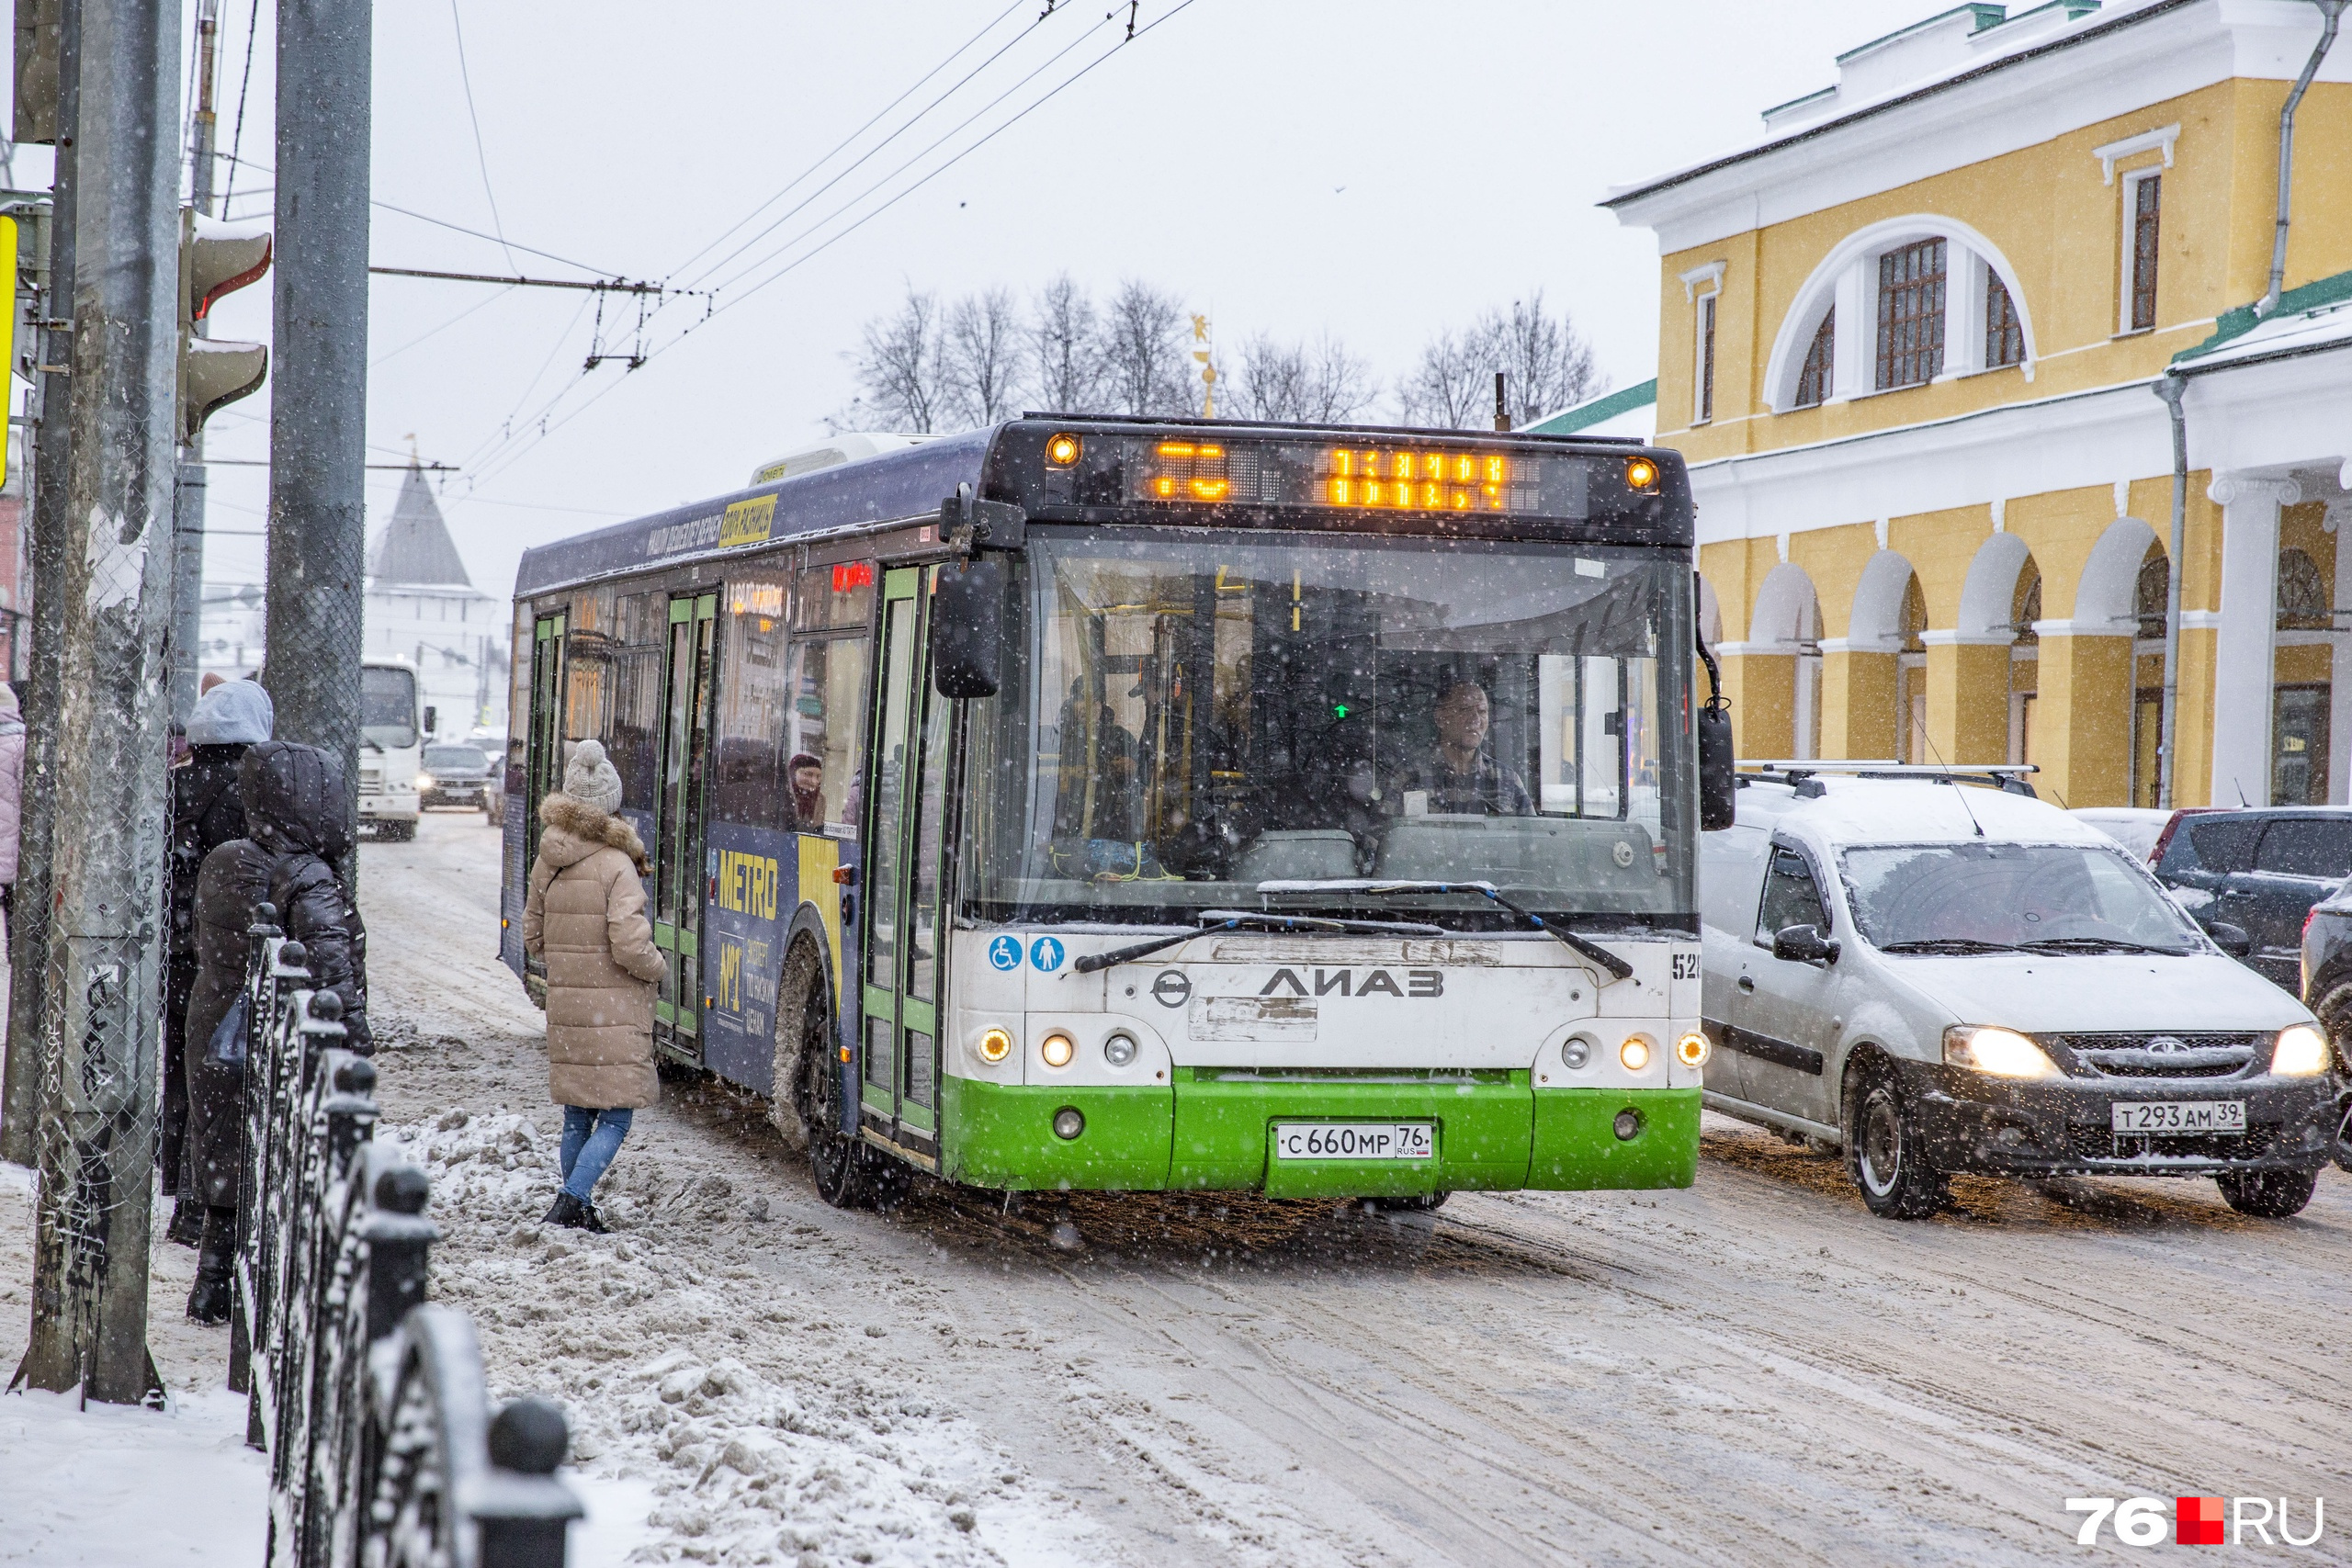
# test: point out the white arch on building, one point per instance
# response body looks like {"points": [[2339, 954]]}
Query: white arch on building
{"points": [[1988, 596], [1846, 280], [1876, 625], [2103, 598], [1787, 610]]}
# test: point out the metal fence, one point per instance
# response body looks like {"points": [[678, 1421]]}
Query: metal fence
{"points": [[370, 1403]]}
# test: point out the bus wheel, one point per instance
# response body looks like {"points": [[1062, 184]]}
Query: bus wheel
{"points": [[842, 1168]]}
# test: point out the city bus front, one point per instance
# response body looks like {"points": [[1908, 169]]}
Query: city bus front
{"points": [[1331, 827]]}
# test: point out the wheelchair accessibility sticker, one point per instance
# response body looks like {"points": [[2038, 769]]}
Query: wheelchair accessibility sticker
{"points": [[1004, 952], [1045, 954]]}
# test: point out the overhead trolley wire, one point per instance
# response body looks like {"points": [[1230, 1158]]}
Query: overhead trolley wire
{"points": [[482, 154], [506, 454]]}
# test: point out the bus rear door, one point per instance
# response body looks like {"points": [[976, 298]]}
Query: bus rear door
{"points": [[686, 680], [908, 762]]}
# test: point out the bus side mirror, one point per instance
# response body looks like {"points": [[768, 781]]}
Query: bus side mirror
{"points": [[430, 715], [968, 628], [1718, 784]]}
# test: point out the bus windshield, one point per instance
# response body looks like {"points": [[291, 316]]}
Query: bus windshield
{"points": [[1187, 716], [387, 707]]}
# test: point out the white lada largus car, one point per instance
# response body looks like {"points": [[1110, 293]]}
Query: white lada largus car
{"points": [[1936, 977]]}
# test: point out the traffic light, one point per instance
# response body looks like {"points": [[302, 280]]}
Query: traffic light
{"points": [[216, 258]]}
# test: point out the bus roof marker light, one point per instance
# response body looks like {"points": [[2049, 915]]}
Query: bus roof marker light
{"points": [[1640, 475], [1062, 450]]}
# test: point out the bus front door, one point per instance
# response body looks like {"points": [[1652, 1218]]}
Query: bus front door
{"points": [[899, 1072], [687, 679]]}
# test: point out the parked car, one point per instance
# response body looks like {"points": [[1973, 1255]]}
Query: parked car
{"points": [[2260, 869], [453, 776], [2139, 829], [1938, 978], [2327, 991]]}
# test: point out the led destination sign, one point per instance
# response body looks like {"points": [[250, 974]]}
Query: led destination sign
{"points": [[1378, 474]]}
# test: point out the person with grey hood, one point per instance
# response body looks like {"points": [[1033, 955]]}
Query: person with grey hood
{"points": [[298, 816], [208, 811]]}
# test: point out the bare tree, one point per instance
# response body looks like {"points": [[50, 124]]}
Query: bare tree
{"points": [[1144, 347], [1547, 367], [1316, 383], [900, 370], [982, 357], [1065, 349]]}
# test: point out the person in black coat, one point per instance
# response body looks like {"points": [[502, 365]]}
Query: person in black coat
{"points": [[208, 810], [296, 818]]}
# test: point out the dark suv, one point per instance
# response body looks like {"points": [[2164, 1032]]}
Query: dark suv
{"points": [[2259, 868]]}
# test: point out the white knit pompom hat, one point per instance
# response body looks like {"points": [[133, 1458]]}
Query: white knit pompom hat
{"points": [[589, 777]]}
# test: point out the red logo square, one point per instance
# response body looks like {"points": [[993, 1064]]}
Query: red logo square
{"points": [[2197, 1521]]}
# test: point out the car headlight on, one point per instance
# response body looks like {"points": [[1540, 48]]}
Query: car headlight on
{"points": [[424, 781], [2300, 1051], [2001, 1052]]}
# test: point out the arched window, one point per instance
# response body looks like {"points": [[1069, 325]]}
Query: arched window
{"points": [[2026, 606], [2149, 592], [2004, 331], [1819, 376]]}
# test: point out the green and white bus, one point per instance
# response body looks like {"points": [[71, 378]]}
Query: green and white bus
{"points": [[1095, 804]]}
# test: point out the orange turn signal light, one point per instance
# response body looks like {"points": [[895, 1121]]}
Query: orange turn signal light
{"points": [[1641, 474], [1061, 451]]}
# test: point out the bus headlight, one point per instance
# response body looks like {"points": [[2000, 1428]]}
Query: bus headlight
{"points": [[2300, 1051], [2002, 1053], [1692, 1049], [1634, 1052], [1575, 1053], [424, 781], [1119, 1049], [996, 1045], [1069, 1122], [1058, 1049]]}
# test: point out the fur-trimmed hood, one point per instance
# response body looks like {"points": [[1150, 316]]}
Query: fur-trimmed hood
{"points": [[576, 829]]}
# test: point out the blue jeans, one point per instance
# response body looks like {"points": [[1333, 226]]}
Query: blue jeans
{"points": [[591, 1139]]}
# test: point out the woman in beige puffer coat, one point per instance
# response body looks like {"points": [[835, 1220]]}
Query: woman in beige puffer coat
{"points": [[585, 916]]}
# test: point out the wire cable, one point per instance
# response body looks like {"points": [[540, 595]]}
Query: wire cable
{"points": [[245, 91], [843, 144], [481, 155]]}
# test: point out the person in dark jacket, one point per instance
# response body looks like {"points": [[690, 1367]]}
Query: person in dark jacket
{"points": [[208, 810], [298, 822]]}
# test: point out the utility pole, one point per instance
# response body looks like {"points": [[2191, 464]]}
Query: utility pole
{"points": [[318, 420], [28, 925], [188, 497], [98, 1124]]}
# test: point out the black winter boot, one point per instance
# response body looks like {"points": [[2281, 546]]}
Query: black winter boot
{"points": [[208, 1302], [188, 1221], [591, 1221], [568, 1212]]}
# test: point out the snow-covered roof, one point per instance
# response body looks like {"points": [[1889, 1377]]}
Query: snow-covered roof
{"points": [[1630, 410], [1928, 56], [415, 547], [1910, 811], [2312, 319]]}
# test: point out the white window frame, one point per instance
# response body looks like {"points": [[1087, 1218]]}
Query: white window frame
{"points": [[2127, 269], [1703, 287]]}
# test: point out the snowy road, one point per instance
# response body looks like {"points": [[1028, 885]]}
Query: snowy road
{"points": [[1752, 1370]]}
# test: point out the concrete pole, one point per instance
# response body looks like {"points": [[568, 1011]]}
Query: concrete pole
{"points": [[187, 500], [318, 420], [97, 1127], [28, 927]]}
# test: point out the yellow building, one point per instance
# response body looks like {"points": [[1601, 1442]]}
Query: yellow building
{"points": [[1913, 341]]}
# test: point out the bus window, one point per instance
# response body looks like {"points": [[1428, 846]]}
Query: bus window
{"points": [[839, 597], [640, 631], [748, 784], [827, 678]]}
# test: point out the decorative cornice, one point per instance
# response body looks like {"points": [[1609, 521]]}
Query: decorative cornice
{"points": [[2229, 490], [1711, 274], [2146, 141]]}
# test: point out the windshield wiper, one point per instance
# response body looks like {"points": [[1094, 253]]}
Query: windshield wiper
{"points": [[1949, 944], [1214, 920], [2097, 945], [1618, 969]]}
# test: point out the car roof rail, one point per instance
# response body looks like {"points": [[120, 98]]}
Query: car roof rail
{"points": [[2008, 777]]}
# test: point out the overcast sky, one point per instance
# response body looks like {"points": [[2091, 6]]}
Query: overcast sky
{"points": [[1380, 169]]}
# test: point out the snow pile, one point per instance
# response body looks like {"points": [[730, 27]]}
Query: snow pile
{"points": [[763, 1429], [117, 1486]]}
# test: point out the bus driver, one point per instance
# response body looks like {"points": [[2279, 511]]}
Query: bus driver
{"points": [[1460, 775]]}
